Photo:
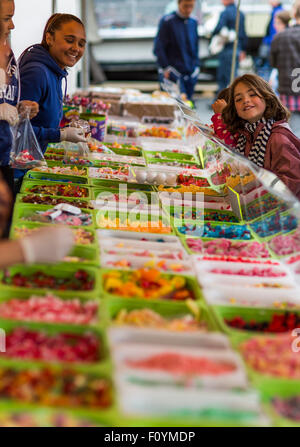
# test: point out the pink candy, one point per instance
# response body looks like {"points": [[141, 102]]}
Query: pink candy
{"points": [[50, 309], [267, 272], [229, 248], [286, 245]]}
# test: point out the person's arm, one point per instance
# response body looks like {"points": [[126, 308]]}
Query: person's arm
{"points": [[285, 162], [10, 253], [46, 245], [221, 23], [160, 44], [34, 88], [221, 130], [243, 38], [5, 204], [197, 47]]}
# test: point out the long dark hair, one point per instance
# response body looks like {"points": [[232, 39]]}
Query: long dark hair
{"points": [[55, 22], [274, 108]]}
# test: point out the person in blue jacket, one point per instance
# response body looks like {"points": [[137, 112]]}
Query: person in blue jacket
{"points": [[262, 63], [10, 106], [227, 20], [176, 47], [43, 70]]}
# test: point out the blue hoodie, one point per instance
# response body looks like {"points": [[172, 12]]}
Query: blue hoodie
{"points": [[271, 31], [8, 94], [176, 44], [41, 81]]}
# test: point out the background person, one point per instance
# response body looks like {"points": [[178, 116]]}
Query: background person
{"points": [[9, 91], [176, 47], [43, 67], [262, 63], [285, 56], [227, 20], [281, 22]]}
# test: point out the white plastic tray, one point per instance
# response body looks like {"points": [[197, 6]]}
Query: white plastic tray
{"points": [[164, 402], [136, 262], [226, 295], [206, 276], [122, 353], [139, 237]]}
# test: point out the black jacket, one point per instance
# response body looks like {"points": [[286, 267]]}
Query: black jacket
{"points": [[285, 56]]}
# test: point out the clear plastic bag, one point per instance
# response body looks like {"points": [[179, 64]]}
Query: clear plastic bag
{"points": [[26, 152]]}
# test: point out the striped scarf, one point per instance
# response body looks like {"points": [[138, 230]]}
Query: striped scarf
{"points": [[258, 150]]}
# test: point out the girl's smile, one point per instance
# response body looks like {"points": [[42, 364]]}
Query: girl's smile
{"points": [[67, 45], [249, 105]]}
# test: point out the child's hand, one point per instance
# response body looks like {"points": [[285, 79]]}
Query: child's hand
{"points": [[32, 105], [219, 105]]}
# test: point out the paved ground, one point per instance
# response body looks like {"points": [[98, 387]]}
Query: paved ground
{"points": [[205, 113]]}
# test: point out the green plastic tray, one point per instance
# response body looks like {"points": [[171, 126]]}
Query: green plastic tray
{"points": [[179, 209], [124, 150], [96, 191], [115, 184], [266, 383], [168, 162], [34, 175], [254, 202], [191, 282], [168, 155], [27, 185], [22, 211], [56, 329], [285, 391], [247, 313], [138, 215], [20, 197], [63, 271], [53, 150], [168, 310], [104, 372], [24, 294], [177, 223], [50, 417], [205, 239], [32, 225]]}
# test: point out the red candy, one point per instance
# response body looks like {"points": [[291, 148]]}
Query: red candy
{"points": [[279, 323], [182, 364], [27, 344], [78, 281]]}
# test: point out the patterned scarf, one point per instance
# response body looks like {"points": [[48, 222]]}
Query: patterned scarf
{"points": [[258, 150]]}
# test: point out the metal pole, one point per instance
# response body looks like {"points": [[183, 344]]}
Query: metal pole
{"points": [[237, 27], [85, 78], [54, 6]]}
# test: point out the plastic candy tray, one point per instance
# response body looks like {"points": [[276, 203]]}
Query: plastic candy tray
{"points": [[28, 184], [64, 271]]}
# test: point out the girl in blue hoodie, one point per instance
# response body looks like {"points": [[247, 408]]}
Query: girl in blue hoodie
{"points": [[9, 90], [43, 69]]}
